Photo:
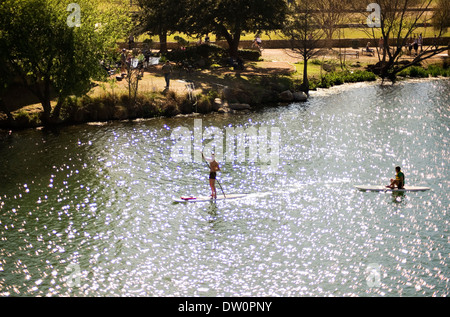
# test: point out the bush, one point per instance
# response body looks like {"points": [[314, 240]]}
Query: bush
{"points": [[204, 104], [209, 55], [416, 71], [24, 119], [437, 70], [169, 108], [420, 72], [338, 78], [249, 55], [361, 75], [185, 105]]}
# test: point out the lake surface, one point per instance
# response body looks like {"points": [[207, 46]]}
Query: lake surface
{"points": [[88, 211]]}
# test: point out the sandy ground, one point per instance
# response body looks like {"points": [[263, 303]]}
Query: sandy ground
{"points": [[274, 62]]}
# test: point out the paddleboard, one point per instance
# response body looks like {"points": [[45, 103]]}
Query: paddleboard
{"points": [[375, 188], [184, 199]]}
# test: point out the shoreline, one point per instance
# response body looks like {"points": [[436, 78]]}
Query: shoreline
{"points": [[317, 92], [273, 81]]}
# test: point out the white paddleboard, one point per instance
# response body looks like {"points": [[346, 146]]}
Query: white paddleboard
{"points": [[194, 199], [375, 188]]}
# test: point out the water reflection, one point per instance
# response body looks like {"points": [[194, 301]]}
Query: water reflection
{"points": [[99, 198], [398, 197]]}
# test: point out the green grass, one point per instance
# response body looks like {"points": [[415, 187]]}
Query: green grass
{"points": [[340, 77], [315, 66], [314, 69], [346, 33]]}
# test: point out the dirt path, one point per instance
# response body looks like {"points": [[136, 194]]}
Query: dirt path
{"points": [[274, 62]]}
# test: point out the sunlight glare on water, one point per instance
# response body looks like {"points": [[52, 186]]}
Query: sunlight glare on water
{"points": [[88, 210]]}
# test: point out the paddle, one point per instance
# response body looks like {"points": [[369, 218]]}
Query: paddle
{"points": [[216, 179]]}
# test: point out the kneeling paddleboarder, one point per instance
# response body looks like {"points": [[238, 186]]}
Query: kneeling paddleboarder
{"points": [[399, 180]]}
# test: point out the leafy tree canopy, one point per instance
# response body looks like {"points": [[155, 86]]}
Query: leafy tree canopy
{"points": [[161, 17], [49, 56], [230, 18]]}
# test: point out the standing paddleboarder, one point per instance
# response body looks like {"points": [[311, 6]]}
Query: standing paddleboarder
{"points": [[213, 169]]}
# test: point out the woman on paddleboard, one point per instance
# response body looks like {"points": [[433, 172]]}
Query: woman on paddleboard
{"points": [[213, 169]]}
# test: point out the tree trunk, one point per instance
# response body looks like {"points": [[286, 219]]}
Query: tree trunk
{"points": [[234, 47], [45, 116], [305, 84], [232, 40], [57, 110], [163, 42]]}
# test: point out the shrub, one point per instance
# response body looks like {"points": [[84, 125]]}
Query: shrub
{"points": [[416, 71], [25, 119], [437, 70], [185, 105], [362, 75], [69, 108], [210, 54], [249, 55], [338, 78], [169, 108], [147, 107], [420, 72], [204, 104]]}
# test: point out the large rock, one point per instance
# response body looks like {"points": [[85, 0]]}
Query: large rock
{"points": [[223, 110], [286, 96], [243, 96], [217, 104], [299, 96], [227, 93]]}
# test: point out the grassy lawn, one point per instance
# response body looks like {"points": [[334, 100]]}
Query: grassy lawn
{"points": [[345, 33], [315, 66], [314, 69]]}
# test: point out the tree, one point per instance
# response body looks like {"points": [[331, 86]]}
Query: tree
{"points": [[161, 17], [51, 57], [330, 15], [399, 21], [134, 74], [230, 18], [441, 16], [302, 30]]}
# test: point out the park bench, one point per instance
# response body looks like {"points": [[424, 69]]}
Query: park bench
{"points": [[364, 51], [350, 53]]}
